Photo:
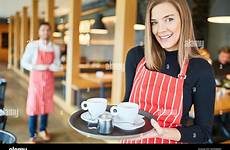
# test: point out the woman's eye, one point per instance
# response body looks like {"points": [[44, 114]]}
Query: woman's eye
{"points": [[154, 23], [169, 19]]}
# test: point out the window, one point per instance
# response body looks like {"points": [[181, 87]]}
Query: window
{"points": [[4, 42]]}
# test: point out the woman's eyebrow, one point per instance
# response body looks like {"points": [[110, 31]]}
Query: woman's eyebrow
{"points": [[153, 20], [170, 15]]}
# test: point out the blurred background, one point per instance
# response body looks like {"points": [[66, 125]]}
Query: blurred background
{"points": [[94, 37]]}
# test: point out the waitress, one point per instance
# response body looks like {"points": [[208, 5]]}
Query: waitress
{"points": [[168, 76], [41, 58]]}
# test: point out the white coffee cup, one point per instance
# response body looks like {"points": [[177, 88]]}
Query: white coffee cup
{"points": [[126, 111], [95, 106]]}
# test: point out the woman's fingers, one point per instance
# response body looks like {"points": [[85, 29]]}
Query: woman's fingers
{"points": [[151, 134], [156, 126], [156, 132]]}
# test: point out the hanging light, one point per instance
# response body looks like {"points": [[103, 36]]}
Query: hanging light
{"points": [[140, 17], [84, 39], [98, 27], [220, 12], [84, 26], [140, 25]]}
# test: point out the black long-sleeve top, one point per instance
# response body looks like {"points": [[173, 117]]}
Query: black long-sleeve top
{"points": [[199, 89]]}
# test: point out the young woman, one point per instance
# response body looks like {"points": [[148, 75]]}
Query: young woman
{"points": [[41, 58], [168, 76]]}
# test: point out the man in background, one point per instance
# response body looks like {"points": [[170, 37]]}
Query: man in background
{"points": [[222, 65]]}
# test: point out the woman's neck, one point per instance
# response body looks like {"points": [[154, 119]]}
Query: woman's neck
{"points": [[171, 50]]}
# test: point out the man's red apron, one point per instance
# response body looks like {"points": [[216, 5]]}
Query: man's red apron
{"points": [[41, 86], [161, 95]]}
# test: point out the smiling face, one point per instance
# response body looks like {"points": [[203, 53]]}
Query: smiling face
{"points": [[166, 25], [44, 32]]}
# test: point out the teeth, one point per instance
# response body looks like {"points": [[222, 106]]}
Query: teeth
{"points": [[165, 37]]}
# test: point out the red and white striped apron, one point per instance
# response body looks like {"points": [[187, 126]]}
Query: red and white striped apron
{"points": [[161, 95], [41, 87]]}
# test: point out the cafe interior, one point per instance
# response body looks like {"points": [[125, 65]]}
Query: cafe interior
{"points": [[94, 37]]}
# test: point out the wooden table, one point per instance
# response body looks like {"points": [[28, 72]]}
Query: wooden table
{"points": [[79, 85], [107, 78], [222, 103], [104, 81], [87, 81], [92, 66], [222, 106], [95, 67], [60, 74]]}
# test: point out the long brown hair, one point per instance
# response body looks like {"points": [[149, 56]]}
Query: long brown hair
{"points": [[154, 53]]}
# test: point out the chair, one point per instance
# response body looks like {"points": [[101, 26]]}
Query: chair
{"points": [[2, 92], [7, 137], [3, 122]]}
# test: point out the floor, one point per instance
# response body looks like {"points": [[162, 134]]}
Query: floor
{"points": [[15, 104]]}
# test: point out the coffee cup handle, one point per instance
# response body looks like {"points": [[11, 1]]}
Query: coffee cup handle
{"points": [[114, 111], [84, 105]]}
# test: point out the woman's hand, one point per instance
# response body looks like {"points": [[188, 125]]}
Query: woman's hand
{"points": [[157, 127], [150, 134], [159, 132]]}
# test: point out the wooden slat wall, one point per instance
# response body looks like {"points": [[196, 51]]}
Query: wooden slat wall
{"points": [[34, 21], [24, 31], [11, 42], [16, 40], [124, 40], [49, 17], [73, 52]]}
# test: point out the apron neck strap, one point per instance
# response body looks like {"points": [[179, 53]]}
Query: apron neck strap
{"points": [[52, 45], [184, 68]]}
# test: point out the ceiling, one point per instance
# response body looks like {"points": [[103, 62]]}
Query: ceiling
{"points": [[11, 6]]}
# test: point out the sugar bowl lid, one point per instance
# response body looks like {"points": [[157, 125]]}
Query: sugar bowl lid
{"points": [[105, 117]]}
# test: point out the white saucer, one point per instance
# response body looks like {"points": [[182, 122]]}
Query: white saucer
{"points": [[86, 117], [140, 122]]}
